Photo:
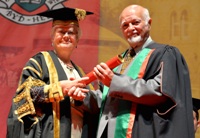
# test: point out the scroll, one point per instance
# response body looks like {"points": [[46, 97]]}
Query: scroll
{"points": [[112, 63]]}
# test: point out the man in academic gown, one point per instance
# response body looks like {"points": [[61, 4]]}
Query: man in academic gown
{"points": [[150, 97]]}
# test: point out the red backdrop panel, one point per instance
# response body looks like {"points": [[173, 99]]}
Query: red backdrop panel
{"points": [[22, 34]]}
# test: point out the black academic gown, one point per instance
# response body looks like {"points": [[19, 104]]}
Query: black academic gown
{"points": [[44, 127], [171, 119], [175, 120]]}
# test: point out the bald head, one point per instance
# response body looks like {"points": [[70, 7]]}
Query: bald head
{"points": [[135, 10]]}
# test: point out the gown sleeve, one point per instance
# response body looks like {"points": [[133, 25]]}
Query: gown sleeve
{"points": [[170, 75]]}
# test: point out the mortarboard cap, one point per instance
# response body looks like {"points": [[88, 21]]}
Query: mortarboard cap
{"points": [[66, 13], [196, 105]]}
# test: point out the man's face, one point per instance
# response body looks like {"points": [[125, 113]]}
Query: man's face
{"points": [[196, 122], [65, 38], [135, 27]]}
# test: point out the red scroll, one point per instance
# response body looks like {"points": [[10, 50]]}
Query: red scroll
{"points": [[112, 63]]}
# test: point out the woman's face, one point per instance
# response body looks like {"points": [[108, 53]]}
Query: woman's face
{"points": [[65, 38]]}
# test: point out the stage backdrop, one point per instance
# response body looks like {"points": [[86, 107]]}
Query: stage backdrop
{"points": [[22, 34]]}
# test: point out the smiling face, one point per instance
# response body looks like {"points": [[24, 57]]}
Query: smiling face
{"points": [[65, 38], [135, 24]]}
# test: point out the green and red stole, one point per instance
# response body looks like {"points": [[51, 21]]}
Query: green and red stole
{"points": [[127, 109]]}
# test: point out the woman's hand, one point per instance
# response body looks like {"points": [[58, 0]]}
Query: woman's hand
{"points": [[74, 88], [77, 93]]}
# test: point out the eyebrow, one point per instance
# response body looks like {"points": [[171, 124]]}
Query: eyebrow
{"points": [[122, 23]]}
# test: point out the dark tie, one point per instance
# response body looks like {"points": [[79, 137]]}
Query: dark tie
{"points": [[128, 58]]}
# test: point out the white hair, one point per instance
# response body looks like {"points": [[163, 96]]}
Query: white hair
{"points": [[146, 15]]}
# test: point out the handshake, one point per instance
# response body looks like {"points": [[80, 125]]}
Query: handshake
{"points": [[112, 63]]}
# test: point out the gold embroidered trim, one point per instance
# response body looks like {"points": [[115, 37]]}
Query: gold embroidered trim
{"points": [[35, 61], [80, 14], [53, 76], [25, 109], [20, 96], [56, 120], [23, 101], [54, 92], [34, 70], [39, 74]]}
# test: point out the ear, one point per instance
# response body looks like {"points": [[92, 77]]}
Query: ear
{"points": [[149, 23], [198, 124]]}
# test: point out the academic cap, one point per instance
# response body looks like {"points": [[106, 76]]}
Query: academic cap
{"points": [[66, 13], [196, 104]]}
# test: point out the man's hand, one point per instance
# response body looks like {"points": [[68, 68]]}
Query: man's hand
{"points": [[103, 73]]}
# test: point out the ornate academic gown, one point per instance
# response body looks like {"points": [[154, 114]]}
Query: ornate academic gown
{"points": [[124, 111], [50, 119]]}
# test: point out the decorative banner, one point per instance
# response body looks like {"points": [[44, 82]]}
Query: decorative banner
{"points": [[29, 6], [22, 19]]}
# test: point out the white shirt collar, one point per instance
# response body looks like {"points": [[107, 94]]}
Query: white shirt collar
{"points": [[148, 41]]}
